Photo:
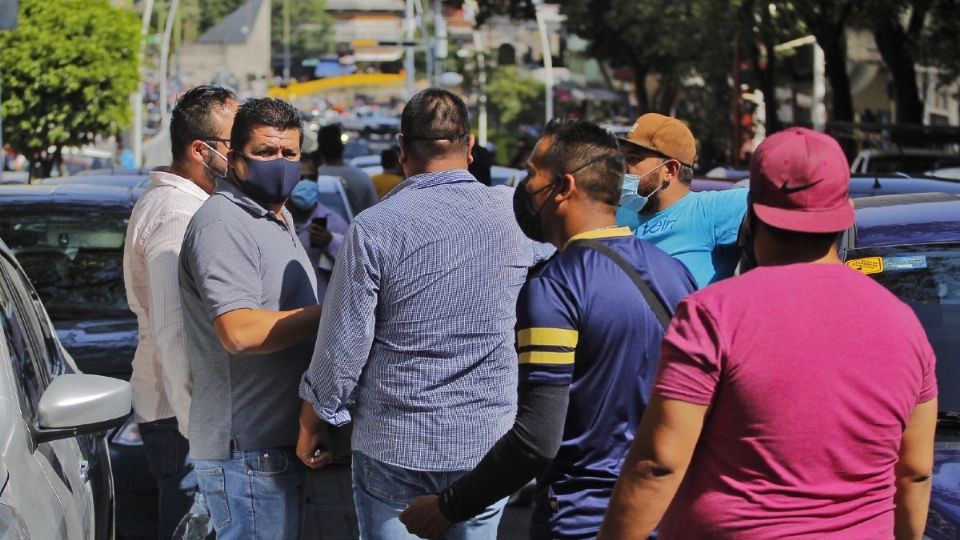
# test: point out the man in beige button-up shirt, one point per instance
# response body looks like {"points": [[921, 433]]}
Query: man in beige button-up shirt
{"points": [[200, 137]]}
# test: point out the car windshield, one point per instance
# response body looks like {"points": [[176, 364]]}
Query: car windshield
{"points": [[927, 278], [74, 259]]}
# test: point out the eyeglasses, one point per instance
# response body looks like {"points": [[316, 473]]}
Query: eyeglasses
{"points": [[226, 142]]}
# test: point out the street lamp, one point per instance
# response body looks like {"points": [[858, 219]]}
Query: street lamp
{"points": [[547, 57]]}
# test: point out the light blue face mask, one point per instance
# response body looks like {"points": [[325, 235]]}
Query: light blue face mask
{"points": [[630, 197]]}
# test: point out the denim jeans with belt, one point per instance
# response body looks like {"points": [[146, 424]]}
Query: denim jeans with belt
{"points": [[381, 491], [253, 495], [168, 461]]}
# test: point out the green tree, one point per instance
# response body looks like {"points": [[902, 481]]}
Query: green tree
{"points": [[311, 29], [68, 72], [212, 11], [515, 99]]}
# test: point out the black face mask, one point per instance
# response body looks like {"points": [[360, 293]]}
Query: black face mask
{"points": [[527, 219]]}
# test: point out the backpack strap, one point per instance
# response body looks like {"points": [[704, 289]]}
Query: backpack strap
{"points": [[656, 305]]}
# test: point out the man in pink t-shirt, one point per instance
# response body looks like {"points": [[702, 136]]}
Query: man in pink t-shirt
{"points": [[797, 400]]}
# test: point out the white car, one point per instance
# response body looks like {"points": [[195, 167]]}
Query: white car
{"points": [[55, 477], [369, 121]]}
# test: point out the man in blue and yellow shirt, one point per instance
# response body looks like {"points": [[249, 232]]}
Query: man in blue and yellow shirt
{"points": [[588, 345]]}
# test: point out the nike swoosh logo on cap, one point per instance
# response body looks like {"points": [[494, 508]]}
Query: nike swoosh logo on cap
{"points": [[788, 189]]}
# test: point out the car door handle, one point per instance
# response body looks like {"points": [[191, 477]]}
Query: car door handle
{"points": [[84, 470]]}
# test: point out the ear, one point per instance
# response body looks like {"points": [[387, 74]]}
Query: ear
{"points": [[471, 140], [195, 152], [234, 161], [568, 187], [673, 168]]}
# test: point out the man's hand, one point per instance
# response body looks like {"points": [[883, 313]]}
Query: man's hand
{"points": [[313, 443], [424, 519], [320, 237]]}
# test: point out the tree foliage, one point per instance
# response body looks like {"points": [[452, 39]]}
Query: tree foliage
{"points": [[311, 29], [516, 99], [68, 72]]}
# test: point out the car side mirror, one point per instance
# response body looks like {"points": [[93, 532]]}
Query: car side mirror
{"points": [[77, 404]]}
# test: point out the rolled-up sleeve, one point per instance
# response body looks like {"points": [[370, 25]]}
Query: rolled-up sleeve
{"points": [[346, 328]]}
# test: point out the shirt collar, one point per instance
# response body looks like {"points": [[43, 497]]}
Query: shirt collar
{"points": [[438, 178], [596, 234], [164, 178], [228, 189]]}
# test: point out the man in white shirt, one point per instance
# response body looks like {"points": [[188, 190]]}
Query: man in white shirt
{"points": [[200, 139]]}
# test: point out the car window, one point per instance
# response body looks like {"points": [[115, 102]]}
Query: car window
{"points": [[24, 341], [74, 259], [927, 278]]}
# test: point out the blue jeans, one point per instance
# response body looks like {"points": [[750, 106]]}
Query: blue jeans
{"points": [[253, 495], [381, 491], [166, 451]]}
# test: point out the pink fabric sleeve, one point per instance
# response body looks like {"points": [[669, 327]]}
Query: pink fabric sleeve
{"points": [[928, 386], [690, 357]]}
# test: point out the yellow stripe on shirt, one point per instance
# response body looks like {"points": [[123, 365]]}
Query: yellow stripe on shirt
{"points": [[546, 357], [547, 337]]}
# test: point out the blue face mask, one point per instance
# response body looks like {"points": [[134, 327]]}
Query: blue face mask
{"points": [[270, 181], [630, 197], [305, 195]]}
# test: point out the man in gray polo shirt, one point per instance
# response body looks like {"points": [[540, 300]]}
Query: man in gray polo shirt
{"points": [[251, 314]]}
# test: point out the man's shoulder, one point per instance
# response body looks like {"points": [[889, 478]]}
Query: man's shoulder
{"points": [[734, 198]]}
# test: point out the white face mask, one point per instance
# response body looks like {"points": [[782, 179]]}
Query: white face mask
{"points": [[630, 197], [216, 173]]}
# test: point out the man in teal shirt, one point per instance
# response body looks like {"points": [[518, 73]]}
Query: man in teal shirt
{"points": [[698, 228]]}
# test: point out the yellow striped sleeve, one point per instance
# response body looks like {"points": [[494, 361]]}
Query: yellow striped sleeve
{"points": [[546, 357], [547, 337]]}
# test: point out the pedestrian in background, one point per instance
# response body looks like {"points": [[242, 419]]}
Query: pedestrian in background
{"points": [[200, 138], [320, 230], [250, 308], [358, 185], [820, 384], [392, 174], [589, 325], [416, 342], [699, 228]]}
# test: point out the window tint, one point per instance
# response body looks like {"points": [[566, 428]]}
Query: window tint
{"points": [[22, 345]]}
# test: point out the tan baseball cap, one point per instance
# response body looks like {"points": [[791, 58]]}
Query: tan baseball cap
{"points": [[664, 135]]}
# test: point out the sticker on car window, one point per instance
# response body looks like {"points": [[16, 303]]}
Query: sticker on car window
{"points": [[904, 263], [867, 265]]}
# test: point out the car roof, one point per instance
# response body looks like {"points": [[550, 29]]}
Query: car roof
{"points": [[917, 218], [67, 194], [870, 185]]}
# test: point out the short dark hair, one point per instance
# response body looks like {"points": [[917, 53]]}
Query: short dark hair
{"points": [[389, 159], [585, 147], [269, 112], [482, 162], [435, 122], [330, 142], [191, 117]]}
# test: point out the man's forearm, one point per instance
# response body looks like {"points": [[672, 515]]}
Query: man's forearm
{"points": [[259, 331], [912, 501], [640, 498]]}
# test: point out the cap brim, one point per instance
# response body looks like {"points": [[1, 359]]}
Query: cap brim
{"points": [[811, 221], [621, 140]]}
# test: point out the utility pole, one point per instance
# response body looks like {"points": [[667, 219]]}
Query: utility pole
{"points": [[286, 41], [164, 60], [136, 100], [409, 66], [547, 57], [481, 75]]}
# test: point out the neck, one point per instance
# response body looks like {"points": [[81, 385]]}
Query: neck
{"points": [[191, 173], [667, 197], [437, 165], [333, 162], [584, 220], [791, 253]]}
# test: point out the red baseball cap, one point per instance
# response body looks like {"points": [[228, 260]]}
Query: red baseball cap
{"points": [[800, 181]]}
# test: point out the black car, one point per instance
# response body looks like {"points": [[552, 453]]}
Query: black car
{"points": [[69, 240], [911, 245]]}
